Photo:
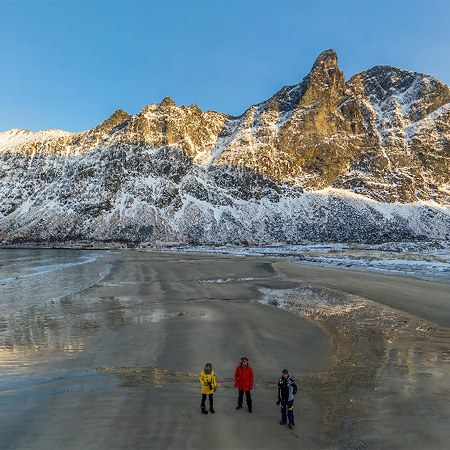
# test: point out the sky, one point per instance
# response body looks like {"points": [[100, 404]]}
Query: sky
{"points": [[70, 64]]}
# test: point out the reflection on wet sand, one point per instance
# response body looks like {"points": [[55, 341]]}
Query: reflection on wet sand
{"points": [[158, 377], [148, 376], [61, 325]]}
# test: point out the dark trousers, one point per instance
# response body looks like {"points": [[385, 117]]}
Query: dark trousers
{"points": [[211, 401], [248, 398], [287, 411]]}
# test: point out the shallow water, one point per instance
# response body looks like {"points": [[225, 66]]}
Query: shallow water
{"points": [[28, 277], [33, 287]]}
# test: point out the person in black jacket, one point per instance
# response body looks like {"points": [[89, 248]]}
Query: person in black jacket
{"points": [[286, 391]]}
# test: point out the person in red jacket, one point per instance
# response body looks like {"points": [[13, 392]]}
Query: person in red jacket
{"points": [[243, 380]]}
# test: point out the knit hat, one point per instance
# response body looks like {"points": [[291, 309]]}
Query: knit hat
{"points": [[244, 359], [285, 371]]}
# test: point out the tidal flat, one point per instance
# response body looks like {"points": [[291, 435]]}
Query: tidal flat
{"points": [[102, 349]]}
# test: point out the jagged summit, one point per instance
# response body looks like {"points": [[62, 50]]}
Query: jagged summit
{"points": [[167, 103], [417, 94], [119, 116], [327, 58], [325, 77]]}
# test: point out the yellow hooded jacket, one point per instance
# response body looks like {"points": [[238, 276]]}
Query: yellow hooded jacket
{"points": [[205, 379]]}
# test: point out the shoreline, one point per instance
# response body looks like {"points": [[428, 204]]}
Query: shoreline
{"points": [[420, 259], [417, 259]]}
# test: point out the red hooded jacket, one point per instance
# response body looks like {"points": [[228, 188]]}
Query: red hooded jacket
{"points": [[243, 378]]}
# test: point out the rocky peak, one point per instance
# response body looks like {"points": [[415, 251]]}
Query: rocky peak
{"points": [[327, 59], [395, 100], [86, 141], [118, 117], [325, 80], [167, 103], [383, 82]]}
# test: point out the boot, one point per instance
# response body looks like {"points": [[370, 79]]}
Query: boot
{"points": [[212, 410], [204, 411], [239, 407], [250, 409]]}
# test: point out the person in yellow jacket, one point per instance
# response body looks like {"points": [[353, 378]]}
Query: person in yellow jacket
{"points": [[208, 381]]}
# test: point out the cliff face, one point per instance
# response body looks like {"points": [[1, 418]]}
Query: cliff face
{"points": [[321, 160], [408, 114], [305, 134]]}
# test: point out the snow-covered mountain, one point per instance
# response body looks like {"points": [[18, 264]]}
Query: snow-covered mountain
{"points": [[323, 160]]}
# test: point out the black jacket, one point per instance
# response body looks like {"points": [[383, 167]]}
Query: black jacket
{"points": [[286, 389]]}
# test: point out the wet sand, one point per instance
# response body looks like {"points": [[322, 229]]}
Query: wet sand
{"points": [[426, 298], [115, 365], [387, 383], [139, 339]]}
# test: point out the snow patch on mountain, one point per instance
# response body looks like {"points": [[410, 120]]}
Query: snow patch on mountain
{"points": [[13, 139]]}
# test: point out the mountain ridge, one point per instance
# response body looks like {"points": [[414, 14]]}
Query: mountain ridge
{"points": [[383, 135]]}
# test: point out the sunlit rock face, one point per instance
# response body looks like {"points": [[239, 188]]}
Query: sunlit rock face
{"points": [[362, 160], [408, 114]]}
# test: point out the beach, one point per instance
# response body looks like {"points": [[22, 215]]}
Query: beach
{"points": [[109, 358]]}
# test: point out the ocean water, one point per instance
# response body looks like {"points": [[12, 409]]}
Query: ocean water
{"points": [[34, 285], [30, 276]]}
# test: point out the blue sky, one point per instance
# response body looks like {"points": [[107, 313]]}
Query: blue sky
{"points": [[70, 64]]}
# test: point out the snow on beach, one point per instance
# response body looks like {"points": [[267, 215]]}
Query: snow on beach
{"points": [[409, 258]]}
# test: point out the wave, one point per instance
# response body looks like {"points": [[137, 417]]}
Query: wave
{"points": [[41, 270]]}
